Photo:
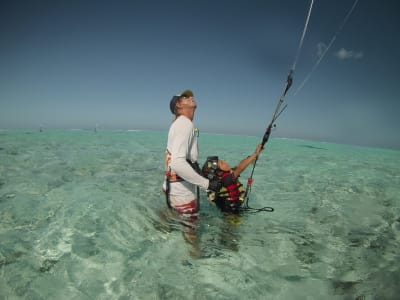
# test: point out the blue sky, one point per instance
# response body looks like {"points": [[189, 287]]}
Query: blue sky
{"points": [[75, 64]]}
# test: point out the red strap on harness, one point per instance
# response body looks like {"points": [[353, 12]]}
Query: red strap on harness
{"points": [[250, 181], [172, 177]]}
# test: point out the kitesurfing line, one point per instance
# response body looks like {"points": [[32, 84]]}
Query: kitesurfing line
{"points": [[327, 48], [302, 36], [289, 82], [278, 111]]}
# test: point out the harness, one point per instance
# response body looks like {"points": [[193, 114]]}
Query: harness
{"points": [[171, 176]]}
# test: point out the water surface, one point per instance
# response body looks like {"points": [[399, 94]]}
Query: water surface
{"points": [[82, 216]]}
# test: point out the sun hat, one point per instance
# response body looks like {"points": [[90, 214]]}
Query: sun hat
{"points": [[187, 93], [172, 103], [174, 100]]}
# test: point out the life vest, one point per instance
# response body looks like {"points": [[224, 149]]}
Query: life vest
{"points": [[231, 196]]}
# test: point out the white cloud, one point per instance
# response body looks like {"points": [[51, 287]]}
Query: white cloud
{"points": [[343, 54]]}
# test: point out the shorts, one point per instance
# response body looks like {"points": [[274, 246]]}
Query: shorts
{"points": [[187, 208]]}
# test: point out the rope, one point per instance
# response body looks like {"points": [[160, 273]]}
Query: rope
{"points": [[327, 48], [277, 113], [302, 36]]}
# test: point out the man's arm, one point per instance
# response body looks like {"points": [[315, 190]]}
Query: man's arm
{"points": [[179, 150]]}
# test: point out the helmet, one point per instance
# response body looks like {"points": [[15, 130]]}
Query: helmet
{"points": [[210, 167]]}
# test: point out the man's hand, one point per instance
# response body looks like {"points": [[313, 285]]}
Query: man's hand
{"points": [[215, 185]]}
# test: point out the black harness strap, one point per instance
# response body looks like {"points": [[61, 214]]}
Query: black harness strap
{"points": [[167, 190]]}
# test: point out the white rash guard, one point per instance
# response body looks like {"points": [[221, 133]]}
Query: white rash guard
{"points": [[182, 145]]}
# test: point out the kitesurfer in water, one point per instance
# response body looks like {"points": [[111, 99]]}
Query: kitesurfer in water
{"points": [[230, 197]]}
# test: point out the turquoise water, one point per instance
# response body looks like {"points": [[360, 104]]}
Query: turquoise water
{"points": [[82, 216]]}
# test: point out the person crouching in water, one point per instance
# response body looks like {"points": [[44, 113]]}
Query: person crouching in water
{"points": [[230, 197]]}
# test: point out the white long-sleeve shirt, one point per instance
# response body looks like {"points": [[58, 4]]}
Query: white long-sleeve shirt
{"points": [[182, 145]]}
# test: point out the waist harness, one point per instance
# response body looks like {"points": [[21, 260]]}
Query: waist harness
{"points": [[171, 176]]}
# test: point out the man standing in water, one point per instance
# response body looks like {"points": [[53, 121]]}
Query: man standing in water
{"points": [[182, 171]]}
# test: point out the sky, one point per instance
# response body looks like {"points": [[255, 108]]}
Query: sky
{"points": [[116, 65]]}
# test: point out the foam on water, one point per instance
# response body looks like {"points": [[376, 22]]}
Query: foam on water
{"points": [[82, 216]]}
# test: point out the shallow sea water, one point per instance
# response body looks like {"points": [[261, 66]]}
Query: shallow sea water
{"points": [[82, 216]]}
